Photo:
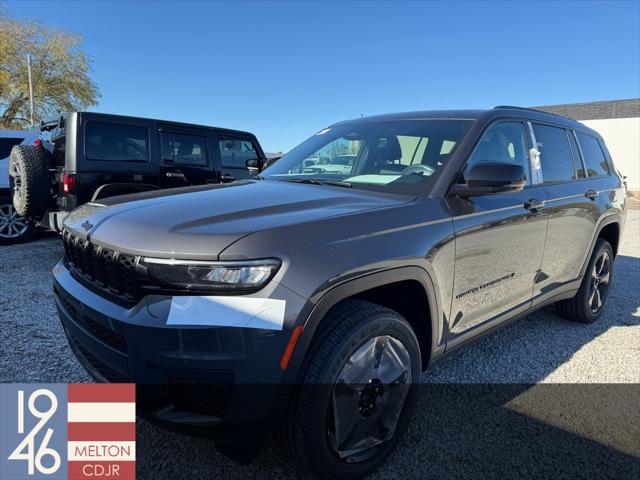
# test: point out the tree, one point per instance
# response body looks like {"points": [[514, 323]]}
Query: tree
{"points": [[59, 72]]}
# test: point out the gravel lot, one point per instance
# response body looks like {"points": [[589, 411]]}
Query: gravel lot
{"points": [[526, 401]]}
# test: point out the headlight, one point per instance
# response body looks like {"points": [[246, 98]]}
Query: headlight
{"points": [[248, 275]]}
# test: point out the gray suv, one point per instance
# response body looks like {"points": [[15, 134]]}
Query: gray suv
{"points": [[309, 300]]}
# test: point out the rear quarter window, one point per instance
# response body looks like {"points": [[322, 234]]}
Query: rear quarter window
{"points": [[116, 142], [594, 158]]}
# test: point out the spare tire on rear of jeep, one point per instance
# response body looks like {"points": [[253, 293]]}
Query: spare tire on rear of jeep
{"points": [[29, 180]]}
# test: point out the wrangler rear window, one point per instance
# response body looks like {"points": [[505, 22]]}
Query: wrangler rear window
{"points": [[116, 142]]}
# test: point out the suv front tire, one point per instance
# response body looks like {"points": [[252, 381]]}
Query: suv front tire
{"points": [[357, 391]]}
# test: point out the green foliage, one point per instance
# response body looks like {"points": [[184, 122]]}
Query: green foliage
{"points": [[59, 70]]}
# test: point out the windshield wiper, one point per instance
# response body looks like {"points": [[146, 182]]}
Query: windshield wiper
{"points": [[316, 181]]}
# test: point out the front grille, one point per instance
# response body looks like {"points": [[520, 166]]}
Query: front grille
{"points": [[101, 267]]}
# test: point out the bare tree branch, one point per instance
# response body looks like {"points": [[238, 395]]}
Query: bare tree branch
{"points": [[60, 72]]}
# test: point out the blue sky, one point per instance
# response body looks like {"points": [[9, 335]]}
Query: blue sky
{"points": [[284, 70]]}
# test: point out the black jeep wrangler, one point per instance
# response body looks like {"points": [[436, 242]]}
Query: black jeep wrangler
{"points": [[83, 157]]}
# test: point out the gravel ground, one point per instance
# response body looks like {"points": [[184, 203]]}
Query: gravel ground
{"points": [[525, 401]]}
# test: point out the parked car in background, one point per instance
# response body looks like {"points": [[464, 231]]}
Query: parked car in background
{"points": [[310, 303], [13, 227], [87, 156], [339, 164]]}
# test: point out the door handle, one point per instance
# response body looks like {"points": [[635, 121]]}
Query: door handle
{"points": [[226, 178], [592, 194], [534, 204]]}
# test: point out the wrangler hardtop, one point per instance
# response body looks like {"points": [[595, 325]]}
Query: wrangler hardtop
{"points": [[86, 156]]}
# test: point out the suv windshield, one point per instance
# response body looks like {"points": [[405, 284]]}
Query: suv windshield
{"points": [[393, 156]]}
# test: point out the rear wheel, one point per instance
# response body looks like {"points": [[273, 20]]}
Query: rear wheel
{"points": [[29, 180], [356, 394], [13, 227], [589, 302]]}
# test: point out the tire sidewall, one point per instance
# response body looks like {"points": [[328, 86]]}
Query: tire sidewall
{"points": [[28, 233], [318, 448], [31, 161], [601, 246]]}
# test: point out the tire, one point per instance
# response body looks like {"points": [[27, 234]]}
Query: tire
{"points": [[29, 180], [310, 434], [13, 228], [583, 307]]}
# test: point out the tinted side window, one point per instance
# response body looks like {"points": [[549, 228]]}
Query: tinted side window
{"points": [[555, 154], [503, 142], [235, 153], [184, 149], [116, 142], [6, 144], [577, 161], [593, 156]]}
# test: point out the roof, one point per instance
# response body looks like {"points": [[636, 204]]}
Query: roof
{"points": [[483, 115], [628, 108]]}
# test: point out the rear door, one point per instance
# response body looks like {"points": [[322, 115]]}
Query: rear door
{"points": [[499, 238], [186, 157], [240, 157], [574, 197]]}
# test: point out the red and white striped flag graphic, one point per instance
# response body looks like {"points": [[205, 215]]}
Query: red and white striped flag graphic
{"points": [[102, 431]]}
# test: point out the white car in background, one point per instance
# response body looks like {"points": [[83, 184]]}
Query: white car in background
{"points": [[13, 228]]}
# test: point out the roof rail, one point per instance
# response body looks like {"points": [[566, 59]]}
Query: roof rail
{"points": [[530, 110]]}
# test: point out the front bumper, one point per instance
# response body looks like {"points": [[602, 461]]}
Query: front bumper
{"points": [[202, 379]]}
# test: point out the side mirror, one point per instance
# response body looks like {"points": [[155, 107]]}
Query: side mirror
{"points": [[252, 164], [487, 178]]}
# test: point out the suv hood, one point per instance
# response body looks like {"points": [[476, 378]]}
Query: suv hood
{"points": [[202, 222]]}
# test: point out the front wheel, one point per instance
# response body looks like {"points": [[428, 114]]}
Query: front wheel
{"points": [[356, 394]]}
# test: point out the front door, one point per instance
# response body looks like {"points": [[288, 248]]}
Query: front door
{"points": [[499, 239], [239, 158], [186, 158]]}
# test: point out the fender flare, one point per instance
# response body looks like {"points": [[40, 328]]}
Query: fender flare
{"points": [[313, 313], [606, 220]]}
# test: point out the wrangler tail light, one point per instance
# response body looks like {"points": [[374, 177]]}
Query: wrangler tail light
{"points": [[68, 182]]}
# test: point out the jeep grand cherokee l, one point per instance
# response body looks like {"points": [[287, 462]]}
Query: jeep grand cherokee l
{"points": [[87, 156], [310, 302]]}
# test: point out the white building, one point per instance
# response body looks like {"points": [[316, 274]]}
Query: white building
{"points": [[618, 121]]}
